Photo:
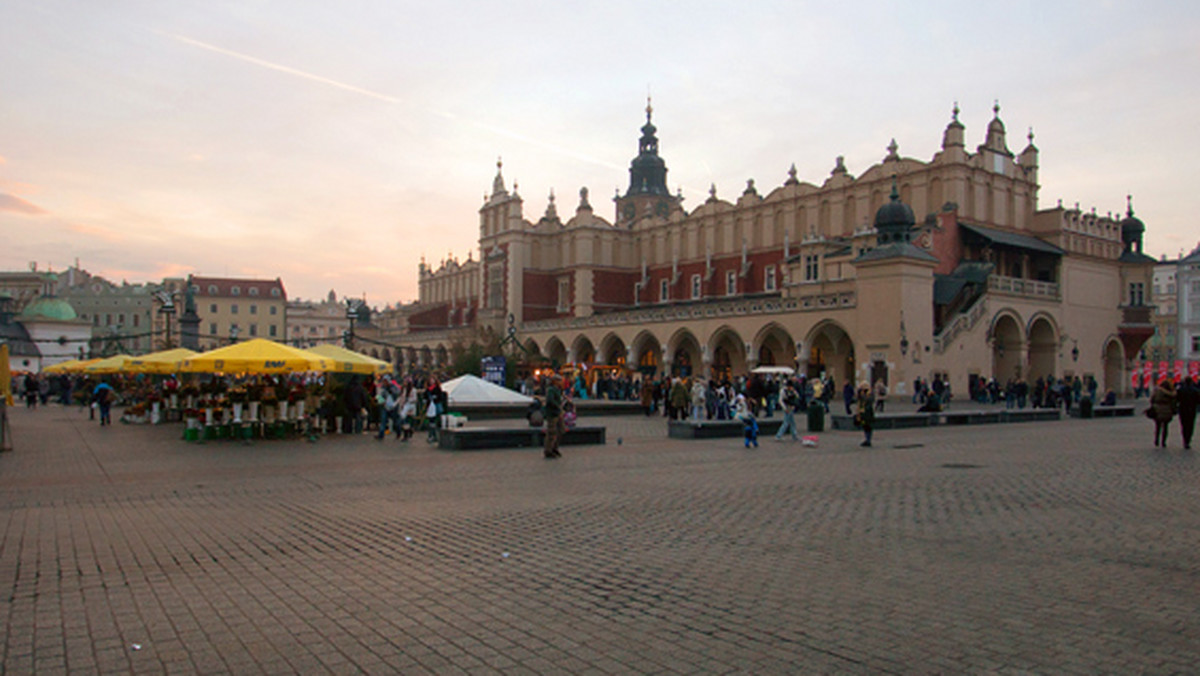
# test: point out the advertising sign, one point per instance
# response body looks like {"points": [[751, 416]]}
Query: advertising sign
{"points": [[493, 370]]}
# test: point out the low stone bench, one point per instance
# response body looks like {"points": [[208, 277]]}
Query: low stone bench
{"points": [[972, 417], [1117, 411], [717, 429], [887, 421], [1031, 414], [480, 438]]}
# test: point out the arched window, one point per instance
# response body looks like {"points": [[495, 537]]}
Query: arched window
{"points": [[237, 291]]}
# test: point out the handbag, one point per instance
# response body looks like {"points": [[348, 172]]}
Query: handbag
{"points": [[1149, 413]]}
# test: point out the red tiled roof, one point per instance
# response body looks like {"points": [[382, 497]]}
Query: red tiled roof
{"points": [[222, 287]]}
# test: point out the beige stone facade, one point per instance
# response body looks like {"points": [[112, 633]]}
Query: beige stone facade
{"points": [[239, 308], [981, 284]]}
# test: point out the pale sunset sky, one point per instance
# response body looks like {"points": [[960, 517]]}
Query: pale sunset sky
{"points": [[332, 144]]}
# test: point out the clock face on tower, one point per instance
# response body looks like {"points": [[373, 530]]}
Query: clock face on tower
{"points": [[629, 211], [661, 209]]}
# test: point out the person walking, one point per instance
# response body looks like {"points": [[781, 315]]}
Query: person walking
{"points": [[1162, 408], [388, 398], [881, 392], [865, 416], [848, 397], [1186, 400], [553, 414], [790, 403]]}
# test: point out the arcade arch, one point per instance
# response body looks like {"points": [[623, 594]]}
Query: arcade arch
{"points": [[774, 346], [1114, 366], [830, 351], [1043, 346], [647, 354], [612, 351], [728, 354], [582, 350], [686, 357], [1007, 342]]}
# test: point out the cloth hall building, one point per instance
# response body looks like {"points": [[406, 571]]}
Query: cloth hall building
{"points": [[840, 277]]}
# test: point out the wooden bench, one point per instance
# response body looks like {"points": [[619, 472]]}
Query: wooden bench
{"points": [[717, 429], [888, 421], [480, 438]]}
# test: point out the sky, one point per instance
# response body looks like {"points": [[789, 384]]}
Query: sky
{"points": [[333, 144]]}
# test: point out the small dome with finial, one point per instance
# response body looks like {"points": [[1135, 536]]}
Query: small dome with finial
{"points": [[894, 220], [1132, 227]]}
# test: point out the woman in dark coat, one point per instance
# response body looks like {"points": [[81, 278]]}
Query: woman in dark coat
{"points": [[1162, 405]]}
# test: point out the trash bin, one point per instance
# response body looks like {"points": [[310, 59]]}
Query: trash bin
{"points": [[1085, 407], [816, 417]]}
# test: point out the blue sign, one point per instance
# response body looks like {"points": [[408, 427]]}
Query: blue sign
{"points": [[493, 370]]}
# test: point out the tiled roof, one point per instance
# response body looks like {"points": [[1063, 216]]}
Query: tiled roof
{"points": [[224, 287]]}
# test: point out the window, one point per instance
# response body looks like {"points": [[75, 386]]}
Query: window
{"points": [[212, 329], [212, 289], [731, 283], [274, 310], [121, 319], [135, 321], [212, 308], [695, 287], [564, 295], [236, 291], [253, 309], [253, 291], [233, 309], [271, 330], [769, 278], [1195, 343], [108, 320], [275, 292], [812, 268], [1137, 293], [664, 291], [254, 329]]}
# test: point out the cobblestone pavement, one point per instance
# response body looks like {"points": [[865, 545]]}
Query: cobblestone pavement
{"points": [[1069, 547]]}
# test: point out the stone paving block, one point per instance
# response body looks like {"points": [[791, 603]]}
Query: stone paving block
{"points": [[1070, 550]]}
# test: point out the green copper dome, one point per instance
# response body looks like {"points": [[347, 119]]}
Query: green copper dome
{"points": [[49, 308]]}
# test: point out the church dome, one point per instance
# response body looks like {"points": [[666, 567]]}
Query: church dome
{"points": [[48, 308]]}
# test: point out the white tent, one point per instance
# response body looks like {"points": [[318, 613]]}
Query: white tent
{"points": [[471, 389], [776, 370]]}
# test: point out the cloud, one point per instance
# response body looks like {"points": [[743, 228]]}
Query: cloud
{"points": [[18, 205]]}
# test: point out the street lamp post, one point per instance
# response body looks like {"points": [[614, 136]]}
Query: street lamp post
{"points": [[351, 313], [167, 311], [233, 334]]}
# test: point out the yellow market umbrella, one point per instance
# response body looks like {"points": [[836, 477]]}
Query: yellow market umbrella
{"points": [[254, 356], [166, 361], [112, 364], [68, 366], [348, 361]]}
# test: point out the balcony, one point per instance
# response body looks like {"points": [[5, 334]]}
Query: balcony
{"points": [[1029, 288]]}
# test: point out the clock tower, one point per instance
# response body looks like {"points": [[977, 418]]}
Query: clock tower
{"points": [[647, 196]]}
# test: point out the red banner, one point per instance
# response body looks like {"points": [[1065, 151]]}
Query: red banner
{"points": [[1163, 369], [1147, 374], [1180, 370], [1135, 378], [1194, 370]]}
